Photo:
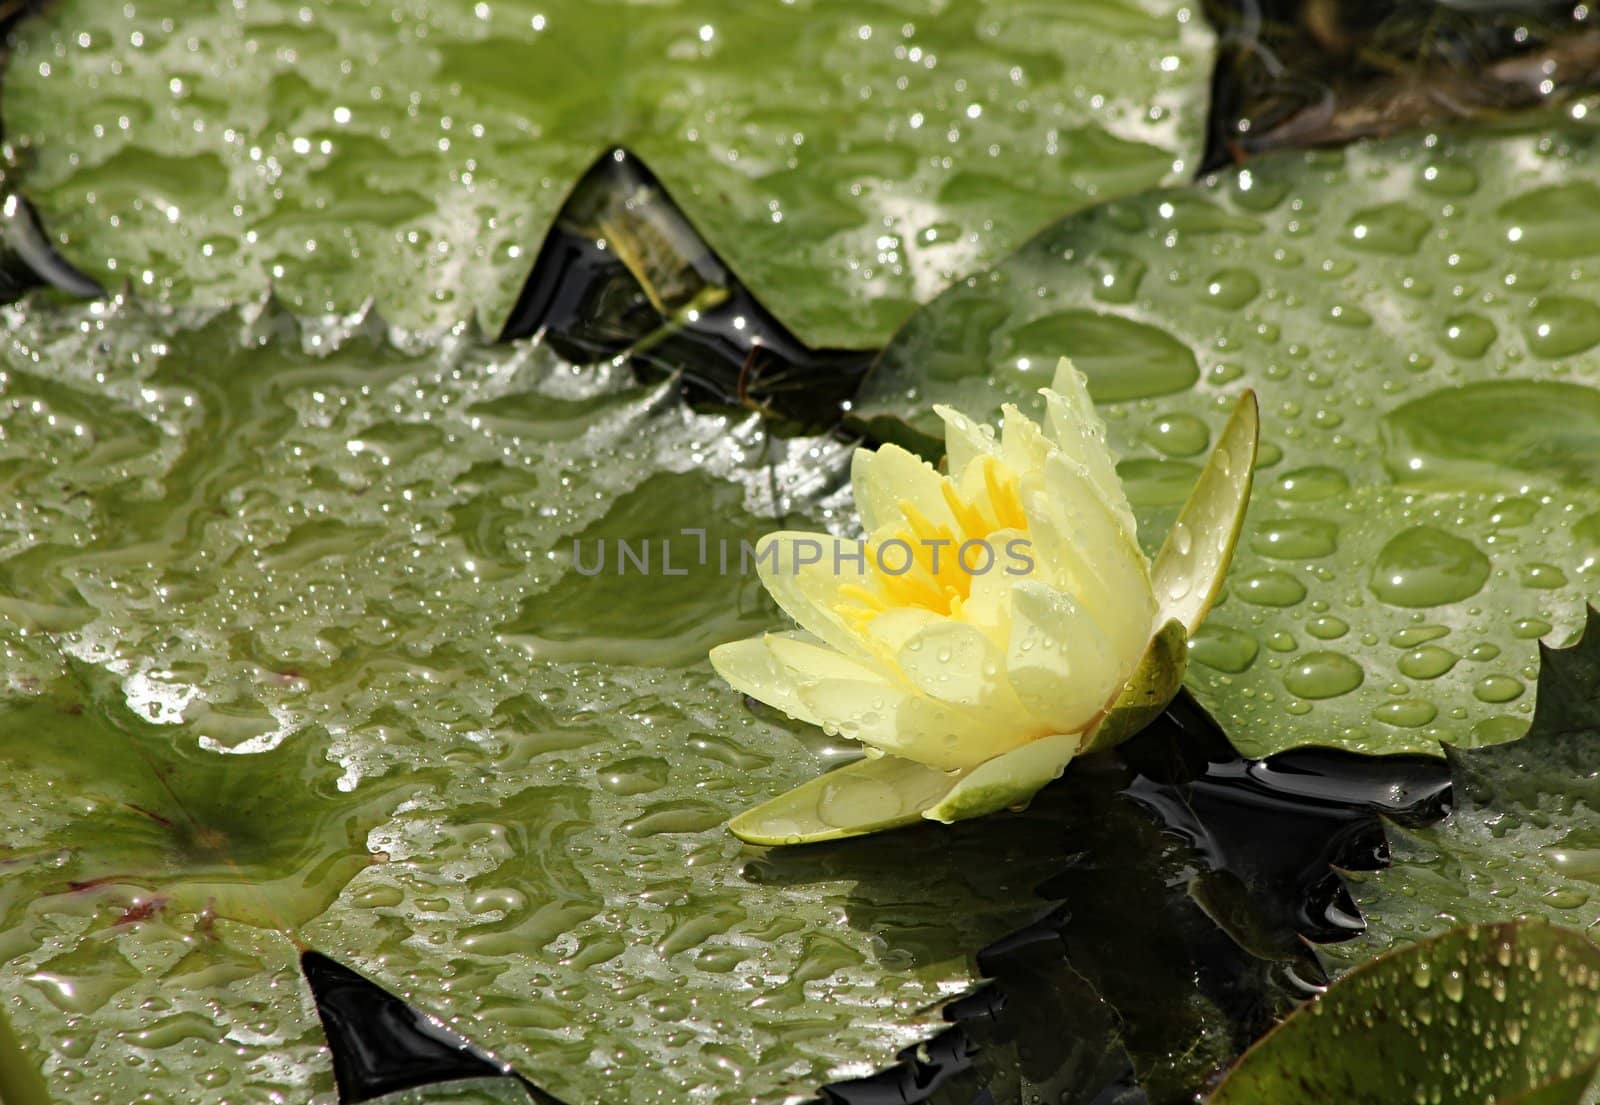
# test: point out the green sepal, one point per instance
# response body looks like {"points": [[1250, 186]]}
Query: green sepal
{"points": [[1188, 570], [1155, 683], [1008, 780]]}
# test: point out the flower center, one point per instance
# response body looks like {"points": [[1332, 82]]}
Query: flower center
{"points": [[938, 561]]}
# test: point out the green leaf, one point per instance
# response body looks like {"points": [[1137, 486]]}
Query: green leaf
{"points": [[1420, 320], [20, 1081], [1522, 837], [297, 652], [1500, 1014], [846, 160]]}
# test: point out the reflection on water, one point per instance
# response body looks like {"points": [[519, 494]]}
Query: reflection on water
{"points": [[1171, 931], [622, 272]]}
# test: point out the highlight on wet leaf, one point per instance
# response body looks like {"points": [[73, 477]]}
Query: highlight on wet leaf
{"points": [[994, 622], [1484, 1013]]}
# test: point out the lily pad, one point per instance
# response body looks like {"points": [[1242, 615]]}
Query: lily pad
{"points": [[1500, 1014], [1523, 838], [846, 160], [1421, 322], [298, 652]]}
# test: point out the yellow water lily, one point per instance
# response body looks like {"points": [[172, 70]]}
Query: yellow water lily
{"points": [[995, 621]]}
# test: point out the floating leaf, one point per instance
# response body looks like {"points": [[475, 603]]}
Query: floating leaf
{"points": [[298, 652], [1421, 323], [847, 161], [1524, 836], [1500, 1014]]}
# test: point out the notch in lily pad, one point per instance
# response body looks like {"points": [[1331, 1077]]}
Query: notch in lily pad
{"points": [[383, 1045], [623, 272], [974, 690]]}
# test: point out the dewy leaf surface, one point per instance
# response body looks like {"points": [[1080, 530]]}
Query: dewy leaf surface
{"points": [[847, 159], [1523, 838], [1421, 322], [1495, 1014], [295, 643]]}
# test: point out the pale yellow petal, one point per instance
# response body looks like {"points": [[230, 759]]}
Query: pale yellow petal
{"points": [[803, 573], [964, 440], [957, 663], [885, 480], [867, 796], [1077, 430], [1060, 663], [750, 668], [1023, 445], [1086, 552]]}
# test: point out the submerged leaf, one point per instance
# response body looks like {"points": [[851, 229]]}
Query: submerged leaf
{"points": [[1421, 323], [1503, 1014]]}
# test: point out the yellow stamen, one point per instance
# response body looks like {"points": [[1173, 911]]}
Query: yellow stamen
{"points": [[1004, 497], [934, 578]]}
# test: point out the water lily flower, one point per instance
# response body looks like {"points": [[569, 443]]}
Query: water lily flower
{"points": [[996, 621]]}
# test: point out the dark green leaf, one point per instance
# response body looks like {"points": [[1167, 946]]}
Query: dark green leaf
{"points": [[1497, 1014]]}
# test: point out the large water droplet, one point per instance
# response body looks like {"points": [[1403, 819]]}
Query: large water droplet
{"points": [[1323, 675], [1121, 358], [1561, 325], [1178, 435], [1493, 434], [1424, 566], [1311, 484], [1427, 662], [1295, 538], [1269, 588], [1222, 647], [1231, 289], [1560, 221], [1393, 228], [1468, 335]]}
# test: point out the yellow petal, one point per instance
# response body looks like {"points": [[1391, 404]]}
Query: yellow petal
{"points": [[956, 663], [964, 440], [1059, 662], [884, 478], [809, 592], [867, 796], [1189, 569], [1084, 550], [862, 701], [1077, 430], [1007, 781], [750, 668]]}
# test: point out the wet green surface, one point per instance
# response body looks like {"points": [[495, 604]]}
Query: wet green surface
{"points": [[294, 646], [1524, 837], [847, 160], [1419, 320], [1498, 1014]]}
